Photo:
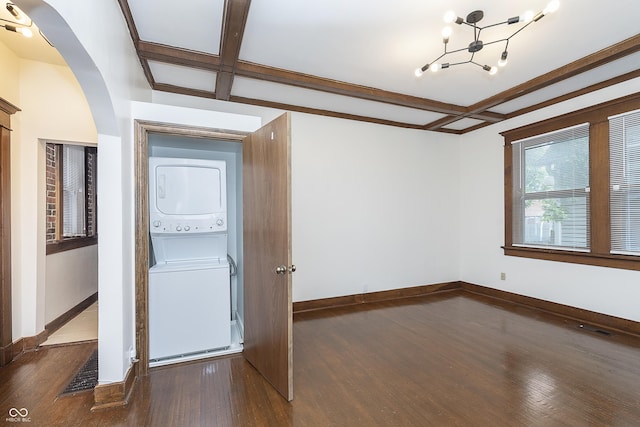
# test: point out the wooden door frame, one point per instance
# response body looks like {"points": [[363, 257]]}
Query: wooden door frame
{"points": [[6, 324], [141, 175]]}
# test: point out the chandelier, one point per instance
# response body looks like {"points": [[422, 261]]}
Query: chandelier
{"points": [[476, 44]]}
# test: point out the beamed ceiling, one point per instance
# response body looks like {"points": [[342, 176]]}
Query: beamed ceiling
{"points": [[356, 59]]}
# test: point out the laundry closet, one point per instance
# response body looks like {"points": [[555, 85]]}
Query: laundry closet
{"points": [[195, 252]]}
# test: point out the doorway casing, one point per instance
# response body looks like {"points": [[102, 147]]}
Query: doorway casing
{"points": [[6, 338], [142, 130]]}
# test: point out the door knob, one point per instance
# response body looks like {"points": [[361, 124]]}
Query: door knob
{"points": [[282, 269]]}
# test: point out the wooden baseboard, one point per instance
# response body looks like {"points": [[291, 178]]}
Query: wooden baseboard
{"points": [[26, 344], [58, 322], [31, 343], [15, 349], [593, 318], [603, 321], [415, 291], [6, 354], [115, 394]]}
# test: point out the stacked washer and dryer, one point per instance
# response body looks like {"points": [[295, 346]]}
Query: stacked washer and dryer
{"points": [[189, 295]]}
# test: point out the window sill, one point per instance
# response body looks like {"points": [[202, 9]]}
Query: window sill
{"points": [[69, 244], [627, 262]]}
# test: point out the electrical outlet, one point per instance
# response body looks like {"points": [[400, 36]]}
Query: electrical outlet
{"points": [[503, 276]]}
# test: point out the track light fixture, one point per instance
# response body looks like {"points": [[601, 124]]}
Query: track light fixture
{"points": [[476, 44], [13, 10], [19, 24], [22, 30]]}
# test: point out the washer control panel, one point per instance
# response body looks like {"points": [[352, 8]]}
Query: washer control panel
{"points": [[218, 223]]}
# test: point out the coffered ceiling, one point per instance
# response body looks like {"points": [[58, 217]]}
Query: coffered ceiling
{"points": [[356, 59]]}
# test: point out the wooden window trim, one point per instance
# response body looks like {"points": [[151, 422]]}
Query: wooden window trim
{"points": [[87, 152], [63, 244], [599, 217], [69, 244]]}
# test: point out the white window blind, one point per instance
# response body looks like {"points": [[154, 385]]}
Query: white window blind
{"points": [[73, 191], [551, 190], [624, 146]]}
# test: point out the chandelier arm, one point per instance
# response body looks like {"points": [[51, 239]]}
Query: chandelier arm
{"points": [[438, 58], [520, 29], [506, 46], [496, 24], [459, 63], [447, 53], [496, 41], [476, 29], [463, 49]]}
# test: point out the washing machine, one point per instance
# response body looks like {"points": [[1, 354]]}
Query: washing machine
{"points": [[189, 283], [189, 308]]}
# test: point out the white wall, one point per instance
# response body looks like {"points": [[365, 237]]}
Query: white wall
{"points": [[54, 108], [9, 76], [95, 42], [71, 277], [374, 207], [605, 290]]}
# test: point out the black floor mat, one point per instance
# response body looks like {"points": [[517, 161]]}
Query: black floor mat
{"points": [[86, 378]]}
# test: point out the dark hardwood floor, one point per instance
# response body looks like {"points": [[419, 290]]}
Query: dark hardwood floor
{"points": [[450, 359]]}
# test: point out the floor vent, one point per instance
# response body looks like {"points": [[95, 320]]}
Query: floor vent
{"points": [[86, 378], [594, 329]]}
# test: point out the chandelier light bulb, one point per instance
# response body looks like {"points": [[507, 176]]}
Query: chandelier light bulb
{"points": [[450, 16], [527, 16], [434, 67], [551, 7], [418, 72], [446, 33]]}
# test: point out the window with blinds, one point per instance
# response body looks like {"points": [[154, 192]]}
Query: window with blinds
{"points": [[624, 158], [551, 190], [71, 210], [73, 191]]}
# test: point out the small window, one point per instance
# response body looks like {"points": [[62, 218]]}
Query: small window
{"points": [[73, 191], [624, 140], [71, 196], [551, 190]]}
